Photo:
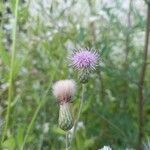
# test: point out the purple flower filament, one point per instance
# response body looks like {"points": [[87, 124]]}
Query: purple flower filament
{"points": [[84, 59]]}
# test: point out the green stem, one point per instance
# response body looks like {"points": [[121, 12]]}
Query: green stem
{"points": [[10, 90], [41, 139], [67, 140], [42, 102], [34, 117], [80, 110], [31, 124]]}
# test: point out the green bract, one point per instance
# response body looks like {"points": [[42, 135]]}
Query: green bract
{"points": [[65, 118]]}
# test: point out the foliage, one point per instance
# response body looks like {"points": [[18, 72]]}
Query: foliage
{"points": [[47, 32]]}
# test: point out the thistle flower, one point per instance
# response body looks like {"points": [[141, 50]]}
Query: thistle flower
{"points": [[64, 90], [85, 61]]}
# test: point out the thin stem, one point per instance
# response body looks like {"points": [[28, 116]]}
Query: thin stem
{"points": [[127, 51], [141, 84], [42, 102], [67, 143], [34, 116], [10, 90], [113, 125], [43, 133], [80, 110]]}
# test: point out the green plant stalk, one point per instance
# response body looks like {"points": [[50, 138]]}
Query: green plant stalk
{"points": [[10, 90], [80, 110], [141, 96], [42, 136], [43, 101], [67, 140], [31, 124], [34, 117]]}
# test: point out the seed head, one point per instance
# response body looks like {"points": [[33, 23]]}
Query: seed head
{"points": [[64, 90]]}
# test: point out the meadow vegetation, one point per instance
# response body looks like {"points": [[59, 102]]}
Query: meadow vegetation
{"points": [[36, 38]]}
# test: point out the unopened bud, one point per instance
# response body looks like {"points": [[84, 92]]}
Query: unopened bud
{"points": [[65, 118]]}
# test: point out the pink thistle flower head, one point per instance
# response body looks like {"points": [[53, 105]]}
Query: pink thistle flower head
{"points": [[84, 59], [64, 90]]}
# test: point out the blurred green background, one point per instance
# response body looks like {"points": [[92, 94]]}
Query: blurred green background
{"points": [[47, 31]]}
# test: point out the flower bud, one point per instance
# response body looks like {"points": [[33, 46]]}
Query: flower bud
{"points": [[65, 118]]}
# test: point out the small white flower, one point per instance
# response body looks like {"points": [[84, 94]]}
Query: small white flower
{"points": [[46, 127], [106, 148]]}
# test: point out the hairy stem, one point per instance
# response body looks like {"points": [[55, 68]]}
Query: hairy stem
{"points": [[10, 90], [141, 83]]}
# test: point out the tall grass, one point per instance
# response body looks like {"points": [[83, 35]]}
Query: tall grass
{"points": [[42, 103], [47, 34], [10, 81]]}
